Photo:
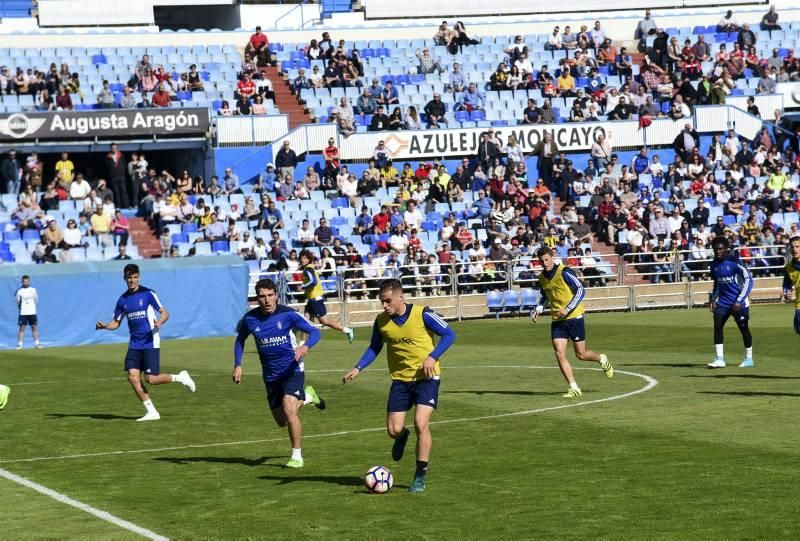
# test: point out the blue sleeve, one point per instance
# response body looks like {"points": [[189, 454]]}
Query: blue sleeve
{"points": [[787, 282], [374, 348], [155, 302], [577, 288], [747, 283], [302, 324], [714, 295], [242, 332], [437, 325], [119, 310], [312, 278]]}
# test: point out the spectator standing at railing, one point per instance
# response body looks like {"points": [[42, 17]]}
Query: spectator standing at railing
{"points": [[286, 160], [117, 172]]}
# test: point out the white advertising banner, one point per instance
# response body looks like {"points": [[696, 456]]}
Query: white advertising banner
{"points": [[413, 144], [791, 95]]}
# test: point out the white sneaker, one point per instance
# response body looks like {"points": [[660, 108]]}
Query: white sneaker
{"points": [[350, 334], [150, 416], [38, 346], [716, 363], [19, 346], [186, 380]]}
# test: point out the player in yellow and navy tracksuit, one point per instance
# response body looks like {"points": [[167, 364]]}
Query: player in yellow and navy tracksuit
{"points": [[315, 296], [562, 289], [407, 330], [791, 280]]}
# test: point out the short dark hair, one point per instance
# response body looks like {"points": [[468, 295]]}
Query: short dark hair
{"points": [[543, 251], [720, 241], [129, 269], [266, 283], [308, 254], [26, 277], [391, 284], [791, 240]]}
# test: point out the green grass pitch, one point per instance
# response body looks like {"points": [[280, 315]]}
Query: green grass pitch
{"points": [[702, 455]]}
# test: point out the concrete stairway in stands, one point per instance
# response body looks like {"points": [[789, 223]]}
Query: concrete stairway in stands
{"points": [[284, 99], [142, 236]]}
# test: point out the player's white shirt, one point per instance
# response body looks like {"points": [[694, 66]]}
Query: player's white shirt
{"points": [[26, 300]]}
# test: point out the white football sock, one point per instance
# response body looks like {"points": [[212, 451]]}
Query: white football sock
{"points": [[346, 330], [307, 401], [148, 405], [719, 349], [748, 352], [574, 385], [175, 378], [297, 454]]}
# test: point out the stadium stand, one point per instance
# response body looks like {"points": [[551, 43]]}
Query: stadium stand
{"points": [[478, 226]]}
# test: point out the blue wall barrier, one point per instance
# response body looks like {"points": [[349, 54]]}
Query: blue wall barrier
{"points": [[205, 296], [247, 162]]}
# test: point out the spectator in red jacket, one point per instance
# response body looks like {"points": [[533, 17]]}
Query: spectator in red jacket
{"points": [[382, 219], [258, 47]]}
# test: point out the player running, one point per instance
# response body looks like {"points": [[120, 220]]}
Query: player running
{"points": [[315, 298], [562, 289], [27, 297], [272, 326], [140, 305], [4, 392], [408, 331], [729, 297], [791, 280]]}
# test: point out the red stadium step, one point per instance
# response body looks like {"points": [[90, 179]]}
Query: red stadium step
{"points": [[286, 101], [143, 238]]}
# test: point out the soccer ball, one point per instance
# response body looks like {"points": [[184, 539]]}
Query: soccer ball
{"points": [[378, 479]]}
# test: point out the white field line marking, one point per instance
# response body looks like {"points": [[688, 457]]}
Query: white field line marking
{"points": [[651, 382], [102, 515]]}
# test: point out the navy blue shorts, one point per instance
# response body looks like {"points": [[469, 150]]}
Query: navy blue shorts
{"points": [[144, 360], [726, 311], [797, 321], [404, 394], [27, 320], [316, 308], [568, 329], [293, 384]]}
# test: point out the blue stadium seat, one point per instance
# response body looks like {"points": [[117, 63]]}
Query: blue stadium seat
{"points": [[512, 301], [494, 302], [530, 298]]}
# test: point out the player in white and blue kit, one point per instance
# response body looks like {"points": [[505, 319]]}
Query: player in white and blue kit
{"points": [[272, 326], [27, 297], [730, 297], [146, 315]]}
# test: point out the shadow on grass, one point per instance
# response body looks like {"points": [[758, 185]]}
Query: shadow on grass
{"points": [[518, 393], [742, 376], [749, 393], [668, 365], [96, 416], [218, 460], [342, 480]]}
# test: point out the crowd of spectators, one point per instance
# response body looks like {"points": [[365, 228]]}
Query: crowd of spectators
{"points": [[98, 221], [672, 79], [59, 88]]}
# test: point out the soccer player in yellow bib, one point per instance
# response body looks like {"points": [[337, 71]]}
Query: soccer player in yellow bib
{"points": [[791, 280], [4, 392], [315, 296], [562, 289], [407, 330]]}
